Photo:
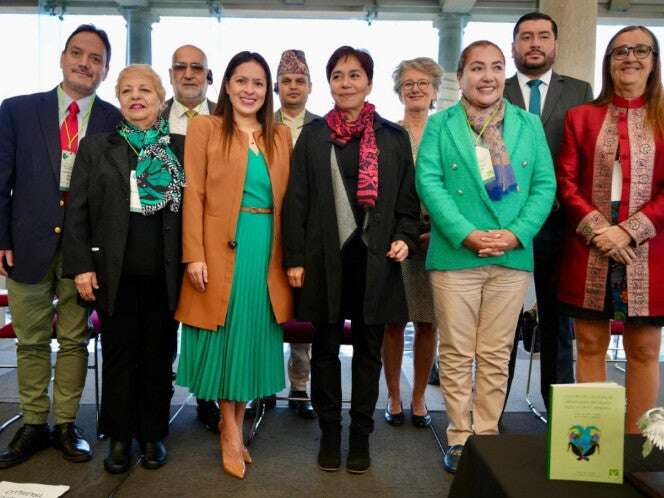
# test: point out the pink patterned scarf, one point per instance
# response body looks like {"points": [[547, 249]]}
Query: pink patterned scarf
{"points": [[342, 132]]}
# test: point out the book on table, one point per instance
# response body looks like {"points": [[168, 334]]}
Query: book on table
{"points": [[586, 432]]}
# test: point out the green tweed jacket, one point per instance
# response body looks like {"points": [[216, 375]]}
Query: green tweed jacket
{"points": [[449, 184]]}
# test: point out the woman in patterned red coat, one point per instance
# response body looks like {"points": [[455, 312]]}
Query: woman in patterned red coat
{"points": [[611, 184]]}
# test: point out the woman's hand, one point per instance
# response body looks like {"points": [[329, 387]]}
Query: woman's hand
{"points": [[295, 276], [486, 243], [610, 239], [198, 275], [625, 255], [86, 284], [398, 251]]}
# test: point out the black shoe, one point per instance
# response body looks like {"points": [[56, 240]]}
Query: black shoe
{"points": [[269, 401], [452, 457], [154, 455], [119, 455], [359, 460], [208, 414], [69, 440], [420, 421], [303, 406], [329, 454], [394, 419], [27, 441]]}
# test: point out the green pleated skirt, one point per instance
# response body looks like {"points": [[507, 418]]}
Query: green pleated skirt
{"points": [[242, 360]]}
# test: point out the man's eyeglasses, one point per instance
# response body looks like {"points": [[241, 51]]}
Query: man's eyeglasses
{"points": [[194, 66], [640, 51], [408, 85]]}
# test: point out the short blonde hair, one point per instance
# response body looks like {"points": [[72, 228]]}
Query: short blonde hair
{"points": [[142, 70], [423, 64]]}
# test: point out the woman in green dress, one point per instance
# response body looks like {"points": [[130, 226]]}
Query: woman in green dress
{"points": [[235, 292]]}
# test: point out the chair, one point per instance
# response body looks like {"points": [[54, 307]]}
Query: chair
{"points": [[94, 326], [295, 332]]}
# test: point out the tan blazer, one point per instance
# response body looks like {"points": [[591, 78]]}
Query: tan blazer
{"points": [[211, 207]]}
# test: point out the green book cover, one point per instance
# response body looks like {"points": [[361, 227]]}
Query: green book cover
{"points": [[586, 432]]}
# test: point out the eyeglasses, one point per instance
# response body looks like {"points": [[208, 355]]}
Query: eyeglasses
{"points": [[640, 51], [182, 66], [408, 85]]}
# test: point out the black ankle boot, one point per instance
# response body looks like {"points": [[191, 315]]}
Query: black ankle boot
{"points": [[329, 455], [359, 460], [118, 459]]}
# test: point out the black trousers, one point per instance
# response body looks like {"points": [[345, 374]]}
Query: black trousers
{"points": [[138, 343], [554, 328], [366, 363]]}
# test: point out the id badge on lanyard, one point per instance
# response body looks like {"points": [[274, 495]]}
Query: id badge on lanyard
{"points": [[485, 163], [67, 159], [134, 198]]}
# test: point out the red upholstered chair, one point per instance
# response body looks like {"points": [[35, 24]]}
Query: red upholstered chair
{"points": [[295, 332], [94, 325]]}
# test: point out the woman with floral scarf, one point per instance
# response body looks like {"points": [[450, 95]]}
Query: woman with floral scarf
{"points": [[122, 245]]}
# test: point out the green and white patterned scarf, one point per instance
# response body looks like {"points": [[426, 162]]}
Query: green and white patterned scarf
{"points": [[159, 174]]}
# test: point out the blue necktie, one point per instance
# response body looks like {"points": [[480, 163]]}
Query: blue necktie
{"points": [[535, 105]]}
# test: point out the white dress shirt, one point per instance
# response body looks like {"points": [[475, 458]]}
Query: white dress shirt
{"points": [[84, 110], [177, 118], [543, 88]]}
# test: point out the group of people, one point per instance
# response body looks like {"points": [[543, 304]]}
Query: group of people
{"points": [[257, 217]]}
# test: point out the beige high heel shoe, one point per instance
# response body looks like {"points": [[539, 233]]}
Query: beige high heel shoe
{"points": [[246, 456], [232, 461]]}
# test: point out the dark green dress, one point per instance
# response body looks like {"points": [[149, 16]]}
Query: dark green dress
{"points": [[242, 360]]}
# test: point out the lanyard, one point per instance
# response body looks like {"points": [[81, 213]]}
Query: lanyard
{"points": [[486, 125], [129, 144]]}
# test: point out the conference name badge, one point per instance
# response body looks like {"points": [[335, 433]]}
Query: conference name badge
{"points": [[134, 198], [485, 164], [66, 167]]}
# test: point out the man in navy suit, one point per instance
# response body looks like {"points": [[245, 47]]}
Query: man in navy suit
{"points": [[39, 136], [542, 91]]}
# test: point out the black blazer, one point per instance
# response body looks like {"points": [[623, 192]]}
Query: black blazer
{"points": [[310, 236], [98, 217], [31, 215]]}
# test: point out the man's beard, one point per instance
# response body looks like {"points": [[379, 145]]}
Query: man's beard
{"points": [[535, 69]]}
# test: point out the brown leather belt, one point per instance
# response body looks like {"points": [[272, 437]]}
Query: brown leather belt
{"points": [[256, 210]]}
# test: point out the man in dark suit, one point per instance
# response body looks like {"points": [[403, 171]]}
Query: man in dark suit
{"points": [[190, 77], [294, 87], [537, 88], [39, 136]]}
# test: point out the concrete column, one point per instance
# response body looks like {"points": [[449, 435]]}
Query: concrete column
{"points": [[139, 35], [577, 33], [450, 43]]}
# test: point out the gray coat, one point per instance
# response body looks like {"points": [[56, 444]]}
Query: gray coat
{"points": [[308, 117], [564, 93]]}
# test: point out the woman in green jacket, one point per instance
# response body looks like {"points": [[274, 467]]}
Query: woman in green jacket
{"points": [[484, 173]]}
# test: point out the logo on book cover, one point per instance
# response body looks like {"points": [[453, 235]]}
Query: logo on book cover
{"points": [[583, 441]]}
